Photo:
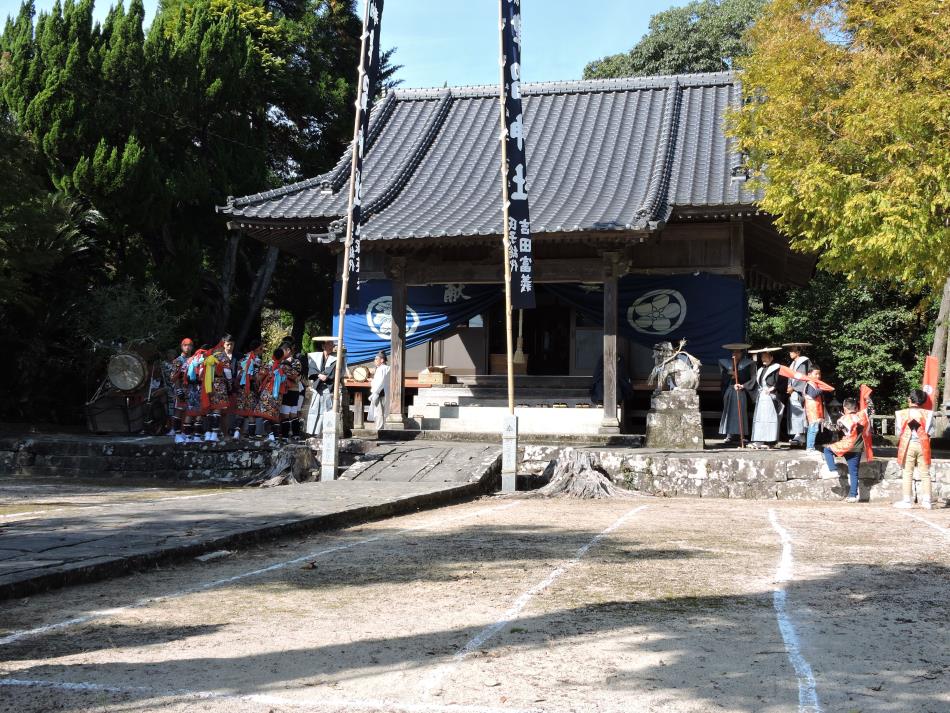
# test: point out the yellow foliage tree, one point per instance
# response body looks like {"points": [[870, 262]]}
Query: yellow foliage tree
{"points": [[846, 122]]}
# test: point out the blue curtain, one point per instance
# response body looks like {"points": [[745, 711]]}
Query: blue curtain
{"points": [[430, 311], [707, 310]]}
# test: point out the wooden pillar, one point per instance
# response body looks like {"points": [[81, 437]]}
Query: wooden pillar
{"points": [[611, 423], [396, 420]]}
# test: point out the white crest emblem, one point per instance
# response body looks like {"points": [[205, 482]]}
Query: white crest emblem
{"points": [[657, 312], [379, 317]]}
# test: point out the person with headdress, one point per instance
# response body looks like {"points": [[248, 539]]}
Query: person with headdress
{"points": [[247, 390], [293, 395], [216, 383], [182, 427], [194, 375], [797, 421], [323, 366], [379, 391], [769, 386], [273, 384], [738, 380]]}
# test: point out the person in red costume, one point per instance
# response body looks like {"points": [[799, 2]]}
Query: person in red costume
{"points": [[915, 426], [855, 442]]}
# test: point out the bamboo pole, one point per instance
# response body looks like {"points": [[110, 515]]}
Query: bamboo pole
{"points": [[509, 347], [347, 245], [735, 373]]}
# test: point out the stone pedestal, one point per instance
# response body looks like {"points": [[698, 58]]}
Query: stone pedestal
{"points": [[509, 454], [674, 421]]}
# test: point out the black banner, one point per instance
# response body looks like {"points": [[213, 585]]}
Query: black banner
{"points": [[368, 76], [518, 230]]}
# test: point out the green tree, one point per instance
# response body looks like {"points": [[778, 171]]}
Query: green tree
{"points": [[865, 333], [847, 120], [702, 36]]}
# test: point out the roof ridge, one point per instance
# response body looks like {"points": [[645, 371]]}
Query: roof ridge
{"points": [[412, 161], [575, 86], [647, 216]]}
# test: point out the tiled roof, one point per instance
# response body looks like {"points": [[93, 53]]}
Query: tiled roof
{"points": [[617, 154]]}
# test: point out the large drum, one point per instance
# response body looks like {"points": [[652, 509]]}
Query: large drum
{"points": [[127, 372]]}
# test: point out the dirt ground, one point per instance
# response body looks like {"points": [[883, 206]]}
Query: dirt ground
{"points": [[509, 605]]}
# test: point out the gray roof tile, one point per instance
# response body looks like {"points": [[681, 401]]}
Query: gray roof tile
{"points": [[602, 155]]}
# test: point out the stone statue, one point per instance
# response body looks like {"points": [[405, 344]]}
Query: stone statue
{"points": [[674, 370]]}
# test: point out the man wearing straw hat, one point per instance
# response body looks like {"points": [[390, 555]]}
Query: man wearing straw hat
{"points": [[769, 387], [738, 379], [801, 364]]}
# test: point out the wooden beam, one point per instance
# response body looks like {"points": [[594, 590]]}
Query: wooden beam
{"points": [[610, 424], [396, 420]]}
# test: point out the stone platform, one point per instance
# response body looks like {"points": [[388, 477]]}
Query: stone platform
{"points": [[734, 473]]}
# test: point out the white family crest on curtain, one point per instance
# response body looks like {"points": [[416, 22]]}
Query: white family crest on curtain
{"points": [[657, 312], [379, 317]]}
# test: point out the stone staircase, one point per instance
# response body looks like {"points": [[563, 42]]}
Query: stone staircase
{"points": [[477, 404]]}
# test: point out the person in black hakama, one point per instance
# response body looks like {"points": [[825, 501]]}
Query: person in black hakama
{"points": [[797, 420], [769, 388], [735, 411]]}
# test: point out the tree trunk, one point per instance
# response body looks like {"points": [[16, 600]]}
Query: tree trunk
{"points": [[578, 474], [296, 333], [940, 333], [293, 464], [258, 292], [222, 311]]}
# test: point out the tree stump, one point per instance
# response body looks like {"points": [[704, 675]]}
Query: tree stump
{"points": [[293, 463], [578, 474]]}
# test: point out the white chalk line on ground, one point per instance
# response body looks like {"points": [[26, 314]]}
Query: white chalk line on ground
{"points": [[939, 528], [103, 613], [807, 691], [434, 677], [310, 703], [33, 514]]}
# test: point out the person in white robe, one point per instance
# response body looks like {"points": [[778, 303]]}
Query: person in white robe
{"points": [[379, 392], [322, 370], [769, 385]]}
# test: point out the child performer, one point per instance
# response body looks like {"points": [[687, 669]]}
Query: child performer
{"points": [[915, 426], [247, 396]]}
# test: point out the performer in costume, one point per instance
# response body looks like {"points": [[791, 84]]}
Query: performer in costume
{"points": [[290, 405], [322, 373], [194, 373], [216, 384], [855, 441], [271, 393], [814, 407], [915, 426], [735, 400], [379, 392], [247, 396], [769, 385], [179, 379], [796, 393]]}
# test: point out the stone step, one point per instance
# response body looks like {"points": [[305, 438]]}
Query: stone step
{"points": [[488, 419], [526, 381], [476, 402]]}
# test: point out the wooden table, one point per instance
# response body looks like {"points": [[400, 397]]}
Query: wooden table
{"points": [[358, 387]]}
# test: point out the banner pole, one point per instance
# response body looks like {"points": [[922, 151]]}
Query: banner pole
{"points": [[329, 460], [509, 347]]}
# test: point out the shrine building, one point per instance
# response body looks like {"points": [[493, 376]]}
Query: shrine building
{"points": [[644, 230]]}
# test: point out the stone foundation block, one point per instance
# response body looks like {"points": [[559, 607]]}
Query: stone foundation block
{"points": [[677, 400], [801, 489], [756, 490]]}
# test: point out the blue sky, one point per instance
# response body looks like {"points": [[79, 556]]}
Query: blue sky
{"points": [[456, 41]]}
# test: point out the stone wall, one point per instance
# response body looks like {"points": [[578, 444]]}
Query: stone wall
{"points": [[96, 457], [784, 475]]}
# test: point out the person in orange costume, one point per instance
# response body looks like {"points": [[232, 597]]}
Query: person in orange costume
{"points": [[915, 426], [855, 442]]}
